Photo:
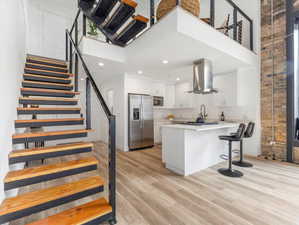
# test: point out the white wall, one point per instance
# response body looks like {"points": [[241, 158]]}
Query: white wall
{"points": [[12, 58], [117, 86], [46, 30]]}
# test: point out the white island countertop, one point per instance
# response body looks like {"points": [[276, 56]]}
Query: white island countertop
{"points": [[220, 125], [187, 149]]}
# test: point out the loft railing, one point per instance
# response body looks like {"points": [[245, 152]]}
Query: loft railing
{"points": [[214, 15], [73, 53], [239, 25]]}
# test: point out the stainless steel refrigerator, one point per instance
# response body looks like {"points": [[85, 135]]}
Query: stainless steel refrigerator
{"points": [[141, 122]]}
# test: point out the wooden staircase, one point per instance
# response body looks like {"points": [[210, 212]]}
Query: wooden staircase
{"points": [[115, 19], [48, 82]]}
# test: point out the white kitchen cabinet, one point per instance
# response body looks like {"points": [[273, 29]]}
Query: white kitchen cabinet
{"points": [[183, 99], [227, 90], [158, 89], [158, 130], [169, 100]]}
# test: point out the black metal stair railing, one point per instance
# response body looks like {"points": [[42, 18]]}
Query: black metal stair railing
{"points": [[72, 51]]}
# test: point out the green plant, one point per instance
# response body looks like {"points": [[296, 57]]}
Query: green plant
{"points": [[92, 28]]}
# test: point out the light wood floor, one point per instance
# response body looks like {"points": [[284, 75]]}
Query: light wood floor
{"points": [[149, 194]]}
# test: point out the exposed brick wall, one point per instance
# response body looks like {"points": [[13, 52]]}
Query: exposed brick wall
{"points": [[274, 66]]}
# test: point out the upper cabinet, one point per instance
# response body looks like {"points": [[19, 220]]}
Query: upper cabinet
{"points": [[183, 99], [227, 87], [169, 100]]}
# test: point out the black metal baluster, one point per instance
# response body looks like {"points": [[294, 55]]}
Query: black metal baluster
{"points": [[71, 58], [212, 13], [112, 167], [251, 35], [88, 105], [66, 47], [76, 33], [152, 12], [235, 23], [76, 71], [84, 25]]}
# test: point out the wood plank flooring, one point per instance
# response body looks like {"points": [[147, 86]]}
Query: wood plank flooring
{"points": [[149, 194]]}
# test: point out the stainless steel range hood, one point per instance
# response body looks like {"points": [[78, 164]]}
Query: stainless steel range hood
{"points": [[203, 77]]}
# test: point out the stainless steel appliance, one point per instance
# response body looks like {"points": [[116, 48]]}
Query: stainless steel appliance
{"points": [[141, 123], [203, 77], [158, 101]]}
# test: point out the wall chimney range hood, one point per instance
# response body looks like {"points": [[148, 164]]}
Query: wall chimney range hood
{"points": [[203, 77]]}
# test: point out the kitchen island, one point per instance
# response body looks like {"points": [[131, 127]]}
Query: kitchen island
{"points": [[187, 149]]}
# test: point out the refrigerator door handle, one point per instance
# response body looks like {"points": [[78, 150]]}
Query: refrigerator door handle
{"points": [[141, 116]]}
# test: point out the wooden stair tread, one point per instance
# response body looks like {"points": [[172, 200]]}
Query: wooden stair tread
{"points": [[130, 3], [78, 215], [47, 83], [46, 77], [47, 109], [48, 169], [49, 71], [35, 151], [49, 91], [49, 120], [141, 18], [35, 198], [36, 64], [49, 133], [47, 60], [49, 99]]}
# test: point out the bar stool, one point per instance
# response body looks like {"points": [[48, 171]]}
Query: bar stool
{"points": [[248, 133], [229, 172]]}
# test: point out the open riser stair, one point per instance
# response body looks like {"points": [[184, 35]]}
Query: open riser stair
{"points": [[115, 19], [33, 77], [46, 67], [45, 61], [46, 85], [48, 90]]}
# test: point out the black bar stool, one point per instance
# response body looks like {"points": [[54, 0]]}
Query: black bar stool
{"points": [[229, 172], [248, 133]]}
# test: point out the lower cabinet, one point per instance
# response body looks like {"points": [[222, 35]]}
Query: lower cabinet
{"points": [[158, 130]]}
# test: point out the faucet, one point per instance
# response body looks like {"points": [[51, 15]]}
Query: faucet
{"points": [[203, 112]]}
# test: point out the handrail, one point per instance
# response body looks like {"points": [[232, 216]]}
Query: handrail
{"points": [[93, 83], [240, 10], [72, 48], [75, 21]]}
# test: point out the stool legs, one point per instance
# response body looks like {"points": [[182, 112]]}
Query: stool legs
{"points": [[241, 162], [229, 172]]}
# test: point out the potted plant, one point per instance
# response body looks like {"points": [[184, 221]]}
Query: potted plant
{"points": [[93, 30]]}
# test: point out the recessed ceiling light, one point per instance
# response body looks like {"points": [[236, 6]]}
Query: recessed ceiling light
{"points": [[165, 61], [101, 64], [178, 79], [82, 78], [140, 72]]}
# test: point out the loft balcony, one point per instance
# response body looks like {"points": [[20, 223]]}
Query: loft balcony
{"points": [[180, 38]]}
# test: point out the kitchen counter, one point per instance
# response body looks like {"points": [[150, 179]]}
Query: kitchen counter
{"points": [[203, 127], [187, 149]]}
